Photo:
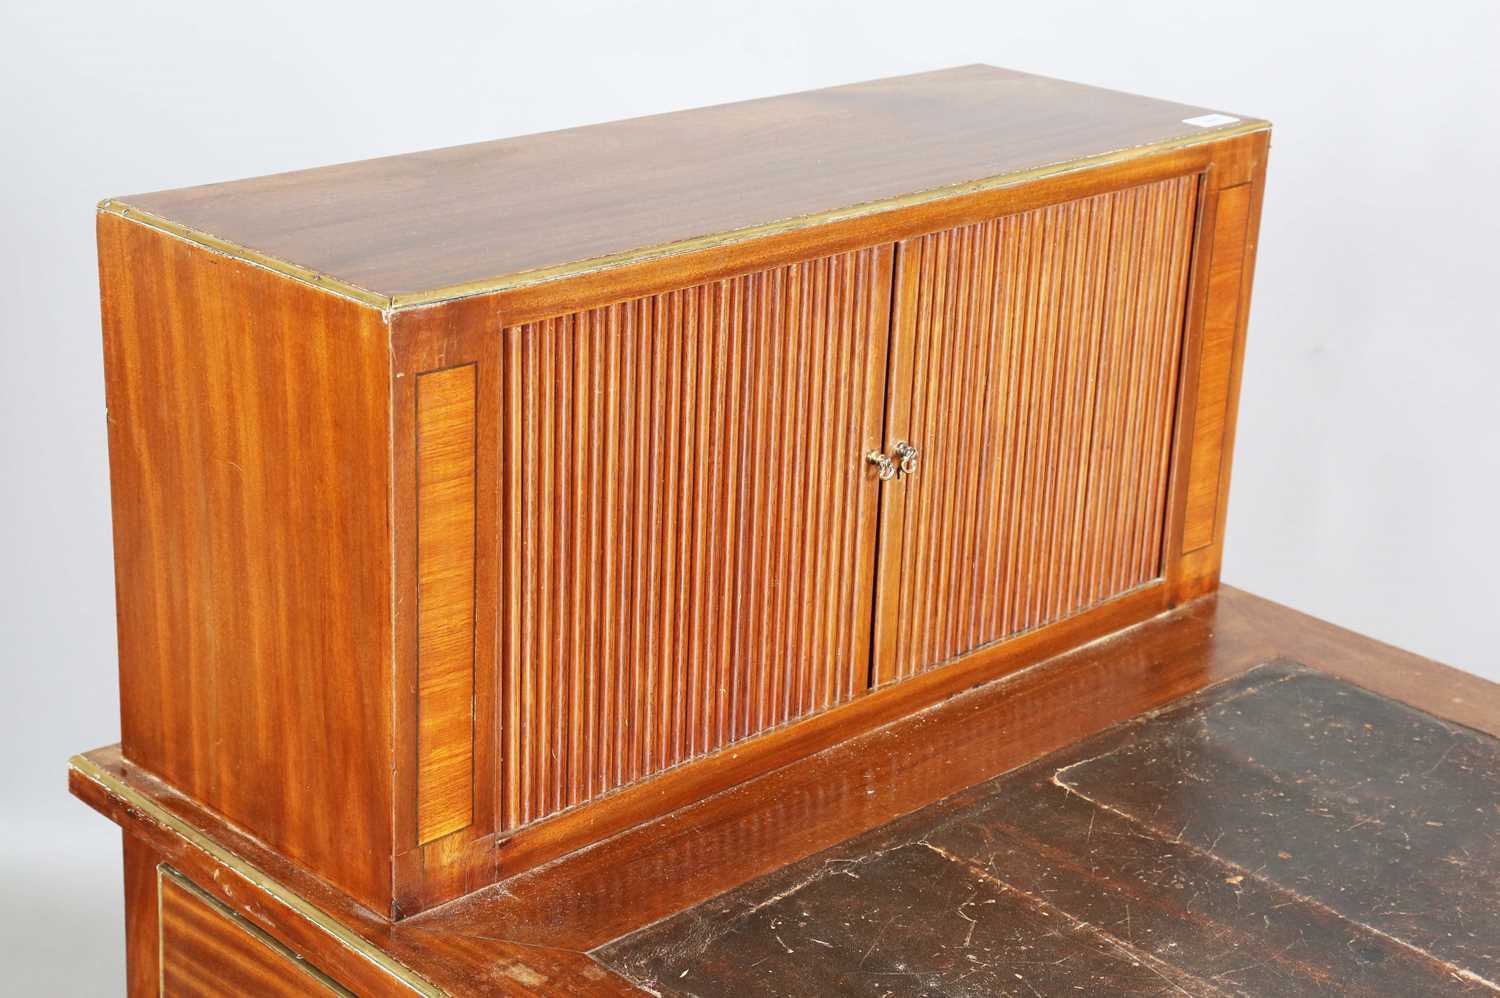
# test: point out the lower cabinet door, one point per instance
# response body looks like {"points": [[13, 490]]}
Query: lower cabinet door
{"points": [[206, 949], [1034, 371]]}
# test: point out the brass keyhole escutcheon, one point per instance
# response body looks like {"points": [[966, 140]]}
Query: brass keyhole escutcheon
{"points": [[908, 455], [905, 462]]}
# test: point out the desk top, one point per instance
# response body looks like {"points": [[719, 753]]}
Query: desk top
{"points": [[430, 226]]}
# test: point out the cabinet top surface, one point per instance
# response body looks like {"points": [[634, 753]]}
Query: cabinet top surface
{"points": [[428, 226]]}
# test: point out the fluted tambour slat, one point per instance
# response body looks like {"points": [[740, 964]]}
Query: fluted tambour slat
{"points": [[1046, 347], [687, 524]]}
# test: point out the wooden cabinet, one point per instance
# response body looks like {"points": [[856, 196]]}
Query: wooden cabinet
{"points": [[476, 505]]}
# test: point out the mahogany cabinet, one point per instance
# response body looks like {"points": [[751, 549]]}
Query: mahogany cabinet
{"points": [[475, 505]]}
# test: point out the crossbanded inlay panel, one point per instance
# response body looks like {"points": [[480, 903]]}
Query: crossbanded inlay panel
{"points": [[687, 526], [446, 434], [1044, 366], [1216, 366]]}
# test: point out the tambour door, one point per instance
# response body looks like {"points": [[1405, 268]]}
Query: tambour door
{"points": [[687, 525], [1034, 372]]}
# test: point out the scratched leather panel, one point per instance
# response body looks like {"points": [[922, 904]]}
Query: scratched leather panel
{"points": [[1282, 833]]}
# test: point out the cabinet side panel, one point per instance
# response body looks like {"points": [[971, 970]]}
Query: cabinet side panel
{"points": [[248, 432], [1220, 323]]}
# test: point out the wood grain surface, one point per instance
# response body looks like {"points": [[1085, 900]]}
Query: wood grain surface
{"points": [[1219, 312], [1043, 372], [688, 522], [421, 223], [249, 480], [1220, 325], [142, 939], [207, 950], [446, 444]]}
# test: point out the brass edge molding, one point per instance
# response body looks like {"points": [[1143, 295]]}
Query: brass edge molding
{"points": [[644, 254], [165, 872], [224, 247], [579, 268], [351, 940]]}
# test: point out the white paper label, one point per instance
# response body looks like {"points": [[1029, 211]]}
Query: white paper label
{"points": [[1210, 120]]}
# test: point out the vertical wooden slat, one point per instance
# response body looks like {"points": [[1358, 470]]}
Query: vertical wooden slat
{"points": [[870, 341], [708, 430], [693, 534], [892, 587], [523, 585], [446, 403], [1044, 349], [513, 785], [727, 691], [605, 650], [573, 589]]}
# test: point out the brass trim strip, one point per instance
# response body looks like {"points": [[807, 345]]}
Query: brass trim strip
{"points": [[528, 278], [224, 247], [578, 268], [299, 905], [164, 872]]}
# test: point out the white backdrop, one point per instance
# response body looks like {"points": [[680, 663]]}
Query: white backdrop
{"points": [[1366, 467]]}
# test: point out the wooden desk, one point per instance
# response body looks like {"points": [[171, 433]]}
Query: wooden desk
{"points": [[520, 544], [566, 928]]}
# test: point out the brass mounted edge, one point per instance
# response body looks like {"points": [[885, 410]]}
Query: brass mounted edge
{"points": [[644, 254], [265, 261], [529, 278]]}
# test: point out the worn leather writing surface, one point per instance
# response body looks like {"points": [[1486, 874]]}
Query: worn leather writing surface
{"points": [[1282, 833]]}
